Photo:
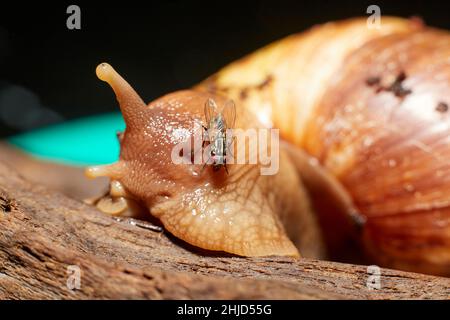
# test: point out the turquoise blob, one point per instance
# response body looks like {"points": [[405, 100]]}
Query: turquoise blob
{"points": [[86, 141]]}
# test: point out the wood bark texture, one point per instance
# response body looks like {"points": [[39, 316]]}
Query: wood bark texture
{"points": [[43, 233]]}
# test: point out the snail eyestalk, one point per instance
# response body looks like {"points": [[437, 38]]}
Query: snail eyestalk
{"points": [[130, 102]]}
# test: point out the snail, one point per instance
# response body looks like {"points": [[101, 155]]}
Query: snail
{"points": [[363, 116], [239, 211]]}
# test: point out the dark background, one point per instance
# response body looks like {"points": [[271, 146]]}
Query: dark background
{"points": [[47, 72]]}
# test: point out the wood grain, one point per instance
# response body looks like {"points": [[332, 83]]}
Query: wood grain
{"points": [[42, 232]]}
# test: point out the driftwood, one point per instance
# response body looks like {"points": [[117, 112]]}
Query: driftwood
{"points": [[46, 238]]}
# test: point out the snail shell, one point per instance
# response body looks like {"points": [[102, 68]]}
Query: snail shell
{"points": [[372, 107]]}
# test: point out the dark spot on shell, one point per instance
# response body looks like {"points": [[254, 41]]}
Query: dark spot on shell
{"points": [[379, 89], [265, 83], [397, 86], [442, 107], [244, 93], [371, 81], [399, 91], [401, 77]]}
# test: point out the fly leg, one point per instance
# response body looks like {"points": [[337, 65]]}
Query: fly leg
{"points": [[225, 165], [205, 133], [204, 165]]}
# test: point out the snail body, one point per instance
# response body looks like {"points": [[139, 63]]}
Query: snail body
{"points": [[239, 211], [367, 107]]}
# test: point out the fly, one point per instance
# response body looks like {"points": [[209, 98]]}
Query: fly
{"points": [[217, 123]]}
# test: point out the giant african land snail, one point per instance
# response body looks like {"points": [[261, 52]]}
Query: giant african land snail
{"points": [[369, 106]]}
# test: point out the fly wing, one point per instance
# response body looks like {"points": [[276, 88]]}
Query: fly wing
{"points": [[210, 110], [229, 114]]}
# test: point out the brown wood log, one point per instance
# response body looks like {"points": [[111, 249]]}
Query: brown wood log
{"points": [[43, 232]]}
